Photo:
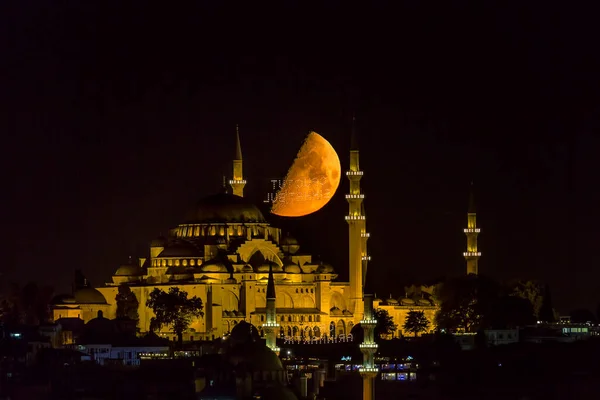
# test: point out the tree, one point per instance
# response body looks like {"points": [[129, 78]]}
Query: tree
{"points": [[416, 322], [511, 312], [466, 303], [530, 290], [582, 315], [127, 303], [546, 310], [173, 308], [385, 323]]}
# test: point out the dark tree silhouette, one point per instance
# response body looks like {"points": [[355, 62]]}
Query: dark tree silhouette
{"points": [[385, 323], [127, 303], [174, 309], [416, 322], [582, 315], [546, 310], [511, 312]]}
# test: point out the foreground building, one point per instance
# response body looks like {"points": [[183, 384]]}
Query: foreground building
{"points": [[223, 253]]}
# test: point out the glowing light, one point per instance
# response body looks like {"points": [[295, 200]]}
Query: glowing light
{"points": [[368, 345], [237, 182], [354, 173], [368, 369], [311, 181], [365, 234], [270, 325], [366, 258], [368, 322], [472, 254], [472, 230], [355, 196], [354, 217]]}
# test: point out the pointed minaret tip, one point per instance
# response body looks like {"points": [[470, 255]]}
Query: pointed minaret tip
{"points": [[271, 284], [353, 135], [471, 199], [238, 146]]}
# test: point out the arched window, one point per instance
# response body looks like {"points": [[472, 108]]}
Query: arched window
{"points": [[310, 318]]}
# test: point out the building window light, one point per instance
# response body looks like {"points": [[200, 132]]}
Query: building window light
{"points": [[234, 181], [354, 217], [366, 258], [355, 196], [355, 173], [472, 230], [365, 234], [472, 254]]}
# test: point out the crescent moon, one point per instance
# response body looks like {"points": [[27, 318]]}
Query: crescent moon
{"points": [[311, 181]]}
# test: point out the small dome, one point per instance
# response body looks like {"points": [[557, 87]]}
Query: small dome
{"points": [[293, 269], [247, 268], [213, 266], [289, 244], [160, 241], [391, 301], [89, 295], [325, 268], [179, 249], [255, 356], [244, 332], [129, 270], [231, 279], [266, 266], [63, 299], [407, 302]]}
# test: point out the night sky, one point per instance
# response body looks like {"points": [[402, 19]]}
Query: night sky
{"points": [[120, 118]]}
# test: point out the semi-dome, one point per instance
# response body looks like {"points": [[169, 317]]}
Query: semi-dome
{"points": [[129, 270], [213, 266], [267, 265], [225, 208], [289, 244], [179, 249], [88, 295]]}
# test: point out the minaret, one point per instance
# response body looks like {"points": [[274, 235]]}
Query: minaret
{"points": [[237, 182], [358, 257], [271, 327], [471, 231], [368, 347]]}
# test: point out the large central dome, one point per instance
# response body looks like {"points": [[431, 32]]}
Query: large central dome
{"points": [[225, 208]]}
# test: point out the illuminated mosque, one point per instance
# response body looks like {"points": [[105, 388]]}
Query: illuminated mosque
{"points": [[223, 253]]}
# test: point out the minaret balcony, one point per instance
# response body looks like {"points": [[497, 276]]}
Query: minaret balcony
{"points": [[354, 173], [368, 369], [355, 217], [368, 345], [355, 196], [472, 254], [365, 234], [368, 322], [366, 258], [271, 325], [472, 230], [237, 182]]}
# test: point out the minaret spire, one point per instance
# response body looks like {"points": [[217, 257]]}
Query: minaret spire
{"points": [[271, 327], [471, 231], [237, 182], [356, 219]]}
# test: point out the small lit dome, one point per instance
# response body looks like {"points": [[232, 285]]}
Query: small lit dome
{"points": [[325, 268], [265, 267], [247, 268], [160, 241], [129, 270], [231, 279], [225, 208], [89, 295], [213, 266], [63, 299], [289, 244], [407, 302], [391, 301], [292, 268]]}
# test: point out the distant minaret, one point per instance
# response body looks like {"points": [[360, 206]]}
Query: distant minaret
{"points": [[471, 231], [368, 347], [238, 182], [358, 235], [271, 327]]}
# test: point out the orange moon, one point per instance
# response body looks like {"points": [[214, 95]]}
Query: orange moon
{"points": [[311, 181]]}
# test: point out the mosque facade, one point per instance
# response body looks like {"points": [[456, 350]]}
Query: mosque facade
{"points": [[223, 252]]}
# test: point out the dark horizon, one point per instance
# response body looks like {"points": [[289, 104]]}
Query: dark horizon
{"points": [[120, 119]]}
